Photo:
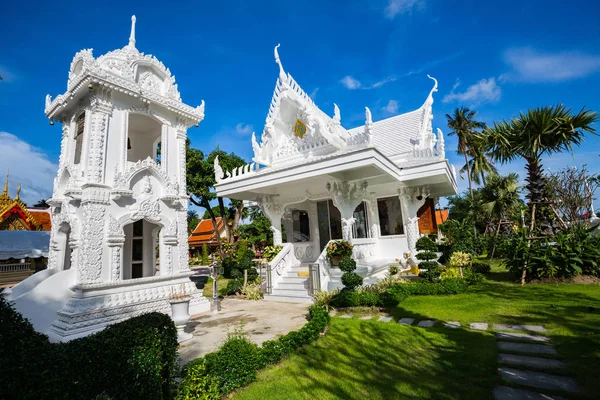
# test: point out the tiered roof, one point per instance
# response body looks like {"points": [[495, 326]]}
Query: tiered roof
{"points": [[205, 233]]}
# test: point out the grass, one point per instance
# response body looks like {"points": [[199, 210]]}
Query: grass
{"points": [[207, 290], [371, 360], [367, 359]]}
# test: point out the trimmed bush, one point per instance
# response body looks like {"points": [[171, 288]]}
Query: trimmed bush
{"points": [[197, 384], [347, 264], [234, 286], [351, 280], [426, 255], [133, 359], [426, 244], [204, 259], [481, 267], [433, 270]]}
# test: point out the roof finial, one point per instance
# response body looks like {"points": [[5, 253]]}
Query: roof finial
{"points": [[435, 85], [132, 35], [282, 76], [18, 192], [5, 192]]}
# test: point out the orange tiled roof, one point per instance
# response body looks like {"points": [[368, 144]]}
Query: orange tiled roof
{"points": [[441, 216], [42, 219], [205, 232]]}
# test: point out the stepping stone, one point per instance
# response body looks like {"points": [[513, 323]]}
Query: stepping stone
{"points": [[521, 336], [539, 380], [346, 316], [406, 321], [508, 393], [426, 324], [479, 326], [507, 327], [384, 318], [452, 325], [366, 317], [526, 348], [527, 361]]}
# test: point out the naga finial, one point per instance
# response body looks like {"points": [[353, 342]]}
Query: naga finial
{"points": [[337, 116], [435, 85], [368, 117], [282, 76]]}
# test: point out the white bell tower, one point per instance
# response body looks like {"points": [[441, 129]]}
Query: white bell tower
{"points": [[119, 206]]}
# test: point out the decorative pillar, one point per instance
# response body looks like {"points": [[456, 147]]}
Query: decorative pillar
{"points": [[181, 139], [63, 144], [273, 210], [101, 109], [373, 216], [94, 201], [411, 199], [115, 239], [124, 140], [164, 149], [167, 244], [346, 197]]}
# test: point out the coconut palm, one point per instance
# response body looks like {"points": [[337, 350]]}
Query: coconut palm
{"points": [[531, 135], [466, 129], [479, 164], [500, 196]]}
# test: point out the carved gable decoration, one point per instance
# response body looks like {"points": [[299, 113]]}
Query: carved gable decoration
{"points": [[299, 129]]}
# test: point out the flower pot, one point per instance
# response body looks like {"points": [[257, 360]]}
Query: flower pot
{"points": [[335, 261], [180, 313]]}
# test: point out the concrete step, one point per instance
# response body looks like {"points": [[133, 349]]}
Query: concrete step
{"points": [[288, 299], [290, 292], [531, 362], [293, 279], [539, 380], [508, 393], [302, 285]]}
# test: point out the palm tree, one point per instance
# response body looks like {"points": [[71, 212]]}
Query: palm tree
{"points": [[531, 135], [466, 129], [479, 164], [500, 196]]}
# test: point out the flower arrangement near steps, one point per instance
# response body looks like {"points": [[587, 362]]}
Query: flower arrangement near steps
{"points": [[338, 250], [180, 312]]}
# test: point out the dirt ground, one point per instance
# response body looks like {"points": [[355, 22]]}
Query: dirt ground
{"points": [[261, 321]]}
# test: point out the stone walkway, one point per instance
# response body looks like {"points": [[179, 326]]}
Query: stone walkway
{"points": [[261, 321], [526, 358]]}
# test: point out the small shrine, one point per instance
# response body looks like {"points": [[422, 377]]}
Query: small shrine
{"points": [[119, 242]]}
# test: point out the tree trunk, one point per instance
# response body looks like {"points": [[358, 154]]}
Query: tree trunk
{"points": [[495, 240], [237, 216], [225, 219], [205, 204], [471, 191]]}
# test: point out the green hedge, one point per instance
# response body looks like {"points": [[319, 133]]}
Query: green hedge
{"points": [[237, 361], [133, 359]]}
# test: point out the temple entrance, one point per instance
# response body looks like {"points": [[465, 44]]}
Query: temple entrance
{"points": [[330, 222], [140, 251]]}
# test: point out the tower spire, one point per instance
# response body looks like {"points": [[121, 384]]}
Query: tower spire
{"points": [[132, 34], [5, 192]]}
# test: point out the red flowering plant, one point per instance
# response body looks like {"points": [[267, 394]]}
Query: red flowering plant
{"points": [[340, 249]]}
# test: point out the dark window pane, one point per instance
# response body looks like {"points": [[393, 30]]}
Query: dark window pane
{"points": [[137, 249], [301, 226], [390, 216], [138, 228]]}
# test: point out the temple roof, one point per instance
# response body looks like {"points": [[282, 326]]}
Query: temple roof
{"points": [[126, 70], [205, 232], [14, 214]]}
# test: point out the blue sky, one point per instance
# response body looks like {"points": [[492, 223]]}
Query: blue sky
{"points": [[496, 57]]}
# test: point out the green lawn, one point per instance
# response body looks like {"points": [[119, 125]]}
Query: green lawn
{"points": [[368, 359], [207, 291]]}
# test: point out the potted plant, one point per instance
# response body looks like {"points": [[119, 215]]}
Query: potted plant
{"points": [[338, 250], [180, 313]]}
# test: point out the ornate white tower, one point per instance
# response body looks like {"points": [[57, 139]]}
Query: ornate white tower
{"points": [[119, 205]]}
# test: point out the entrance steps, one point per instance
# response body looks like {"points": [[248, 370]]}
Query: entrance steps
{"points": [[293, 286]]}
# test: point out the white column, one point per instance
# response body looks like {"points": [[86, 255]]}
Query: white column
{"points": [[274, 211], [346, 197], [411, 199], [115, 245]]}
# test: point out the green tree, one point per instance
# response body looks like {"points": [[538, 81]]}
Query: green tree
{"points": [[258, 231], [479, 163], [204, 258], [466, 129], [531, 135]]}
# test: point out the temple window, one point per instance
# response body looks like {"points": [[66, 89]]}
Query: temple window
{"points": [[390, 216], [140, 249], [360, 227], [79, 129], [301, 226], [144, 136]]}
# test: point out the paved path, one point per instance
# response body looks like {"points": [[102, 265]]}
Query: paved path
{"points": [[526, 359], [261, 321]]}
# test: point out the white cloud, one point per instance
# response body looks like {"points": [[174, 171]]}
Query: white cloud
{"points": [[350, 83], [484, 91], [391, 107], [395, 7], [528, 65], [382, 82], [29, 167], [243, 129]]}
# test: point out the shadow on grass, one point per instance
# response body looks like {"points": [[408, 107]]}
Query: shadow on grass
{"points": [[360, 359]]}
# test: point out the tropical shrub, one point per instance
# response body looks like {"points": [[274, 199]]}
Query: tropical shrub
{"points": [[133, 359], [347, 264], [426, 255], [197, 384], [481, 267], [271, 252], [323, 297], [340, 248], [450, 272], [252, 291], [234, 286], [351, 280], [425, 243], [458, 259]]}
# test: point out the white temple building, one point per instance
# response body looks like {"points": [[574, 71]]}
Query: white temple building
{"points": [[323, 182], [118, 244]]}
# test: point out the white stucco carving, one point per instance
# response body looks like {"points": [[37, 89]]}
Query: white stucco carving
{"points": [[411, 200], [116, 202]]}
